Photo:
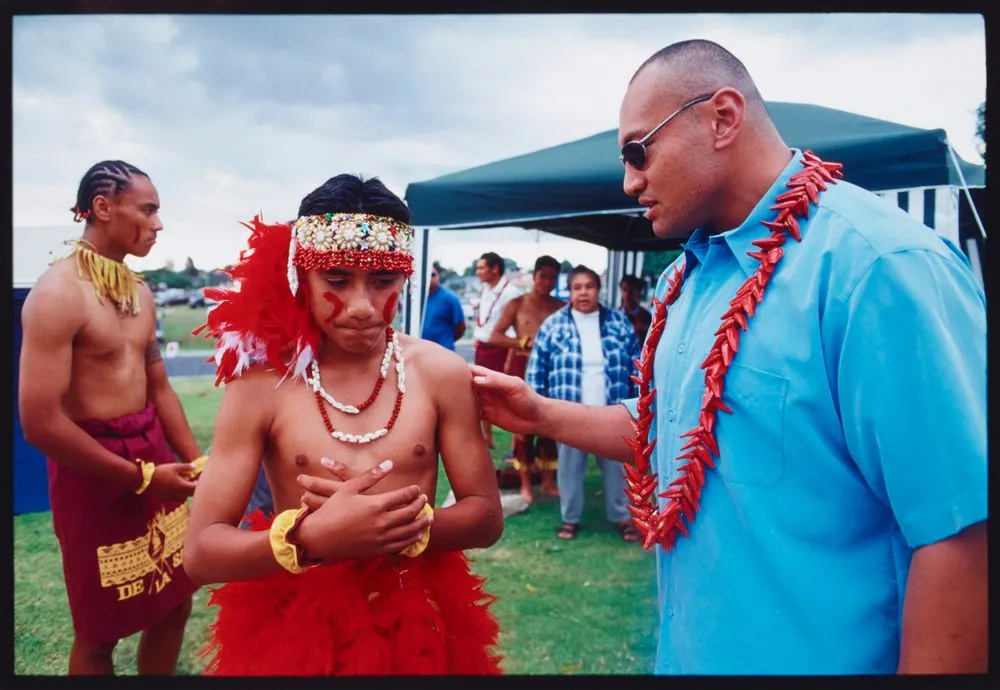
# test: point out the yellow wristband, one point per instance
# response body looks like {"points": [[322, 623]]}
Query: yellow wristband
{"points": [[147, 475], [285, 552], [416, 549], [198, 466]]}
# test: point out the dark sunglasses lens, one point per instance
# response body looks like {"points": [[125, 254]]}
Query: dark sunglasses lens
{"points": [[634, 154]]}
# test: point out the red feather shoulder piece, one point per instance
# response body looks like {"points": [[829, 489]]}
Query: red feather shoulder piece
{"points": [[261, 320]]}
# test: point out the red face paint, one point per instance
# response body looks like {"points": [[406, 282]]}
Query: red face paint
{"points": [[338, 305], [389, 309]]}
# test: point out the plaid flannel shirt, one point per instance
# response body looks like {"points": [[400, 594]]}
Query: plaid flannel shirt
{"points": [[555, 368]]}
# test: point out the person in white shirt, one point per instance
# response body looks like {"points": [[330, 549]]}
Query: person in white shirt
{"points": [[495, 294], [583, 353]]}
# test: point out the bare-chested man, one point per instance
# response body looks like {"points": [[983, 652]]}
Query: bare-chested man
{"points": [[94, 397], [350, 576], [526, 314]]}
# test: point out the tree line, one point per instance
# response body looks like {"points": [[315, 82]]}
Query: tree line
{"points": [[188, 278]]}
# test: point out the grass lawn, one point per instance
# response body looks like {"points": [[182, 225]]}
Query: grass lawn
{"points": [[565, 607], [178, 322]]}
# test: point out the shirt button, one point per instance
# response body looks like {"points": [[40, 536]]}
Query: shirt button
{"points": [[681, 348], [670, 612], [670, 415]]}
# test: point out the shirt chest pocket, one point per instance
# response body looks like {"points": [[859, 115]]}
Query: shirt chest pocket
{"points": [[752, 438]]}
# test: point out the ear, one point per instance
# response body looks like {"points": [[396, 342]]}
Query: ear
{"points": [[728, 111], [102, 208]]}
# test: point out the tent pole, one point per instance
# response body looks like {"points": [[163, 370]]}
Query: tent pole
{"points": [[415, 292], [965, 188], [612, 269]]}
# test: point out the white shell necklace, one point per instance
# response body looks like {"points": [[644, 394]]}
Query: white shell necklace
{"points": [[322, 395]]}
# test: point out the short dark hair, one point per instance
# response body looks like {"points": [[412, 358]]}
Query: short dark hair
{"points": [[546, 261], [494, 260], [634, 281], [580, 268], [108, 178], [353, 194]]}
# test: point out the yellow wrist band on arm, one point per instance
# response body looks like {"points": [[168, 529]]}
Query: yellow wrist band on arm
{"points": [[287, 552], [418, 548], [147, 475]]}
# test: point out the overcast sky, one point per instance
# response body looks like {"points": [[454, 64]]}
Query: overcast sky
{"points": [[231, 115]]}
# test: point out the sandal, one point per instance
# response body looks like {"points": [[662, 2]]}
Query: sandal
{"points": [[567, 530], [629, 532]]}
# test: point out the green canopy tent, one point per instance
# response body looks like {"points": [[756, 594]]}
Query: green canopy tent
{"points": [[575, 189]]}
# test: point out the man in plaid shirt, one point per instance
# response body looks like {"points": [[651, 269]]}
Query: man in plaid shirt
{"points": [[583, 353]]}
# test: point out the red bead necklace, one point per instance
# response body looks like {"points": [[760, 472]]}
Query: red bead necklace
{"points": [[663, 526], [313, 380], [392, 338]]}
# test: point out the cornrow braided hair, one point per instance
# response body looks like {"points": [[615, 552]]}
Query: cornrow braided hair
{"points": [[105, 178]]}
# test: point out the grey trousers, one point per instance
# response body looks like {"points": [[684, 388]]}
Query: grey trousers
{"points": [[572, 467]]}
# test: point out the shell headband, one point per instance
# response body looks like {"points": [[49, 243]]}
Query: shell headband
{"points": [[339, 240]]}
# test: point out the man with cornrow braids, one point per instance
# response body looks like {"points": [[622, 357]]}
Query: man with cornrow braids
{"points": [[95, 398]]}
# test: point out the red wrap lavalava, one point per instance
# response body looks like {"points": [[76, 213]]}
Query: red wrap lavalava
{"points": [[385, 615]]}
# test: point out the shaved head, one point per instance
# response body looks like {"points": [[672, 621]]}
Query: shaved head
{"points": [[699, 66], [703, 147]]}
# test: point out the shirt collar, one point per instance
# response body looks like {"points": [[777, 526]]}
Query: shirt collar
{"points": [[740, 239]]}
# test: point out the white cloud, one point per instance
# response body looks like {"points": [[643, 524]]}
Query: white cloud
{"points": [[228, 128]]}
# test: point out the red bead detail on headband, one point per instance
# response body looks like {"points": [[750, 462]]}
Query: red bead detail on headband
{"points": [[308, 258]]}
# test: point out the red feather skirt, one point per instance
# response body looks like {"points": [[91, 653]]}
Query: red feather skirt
{"points": [[376, 616]]}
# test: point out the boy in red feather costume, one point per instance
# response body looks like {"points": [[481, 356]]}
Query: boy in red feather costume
{"points": [[358, 576]]}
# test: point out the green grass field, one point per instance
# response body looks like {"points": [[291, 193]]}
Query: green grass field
{"points": [[579, 607], [178, 322]]}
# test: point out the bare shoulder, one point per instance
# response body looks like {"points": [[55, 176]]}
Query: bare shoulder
{"points": [[146, 297], [144, 289], [56, 294], [258, 380], [253, 394], [435, 363]]}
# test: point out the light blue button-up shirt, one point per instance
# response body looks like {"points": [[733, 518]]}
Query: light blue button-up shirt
{"points": [[858, 434]]}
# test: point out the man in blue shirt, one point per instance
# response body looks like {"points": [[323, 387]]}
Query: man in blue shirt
{"points": [[841, 521], [444, 320]]}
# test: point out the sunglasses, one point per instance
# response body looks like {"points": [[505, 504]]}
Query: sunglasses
{"points": [[634, 152]]}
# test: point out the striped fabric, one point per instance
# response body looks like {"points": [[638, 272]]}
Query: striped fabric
{"points": [[937, 207]]}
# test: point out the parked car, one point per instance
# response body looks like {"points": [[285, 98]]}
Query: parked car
{"points": [[197, 299], [169, 297]]}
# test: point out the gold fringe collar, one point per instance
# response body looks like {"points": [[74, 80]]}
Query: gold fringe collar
{"points": [[111, 279]]}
